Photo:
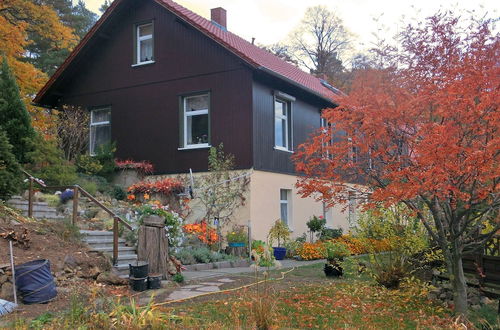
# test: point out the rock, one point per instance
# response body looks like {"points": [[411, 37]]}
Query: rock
{"points": [[475, 307], [7, 292], [110, 278], [474, 301], [485, 301], [3, 279], [93, 272], [70, 261], [442, 296]]}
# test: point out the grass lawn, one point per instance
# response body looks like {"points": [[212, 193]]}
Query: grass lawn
{"points": [[302, 298]]}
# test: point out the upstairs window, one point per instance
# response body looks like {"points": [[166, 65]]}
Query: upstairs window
{"points": [[100, 128], [195, 118], [144, 43], [282, 124]]}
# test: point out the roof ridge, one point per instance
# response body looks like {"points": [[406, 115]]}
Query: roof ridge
{"points": [[251, 53]]}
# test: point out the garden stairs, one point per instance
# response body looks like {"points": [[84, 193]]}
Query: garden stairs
{"points": [[41, 210], [102, 241]]}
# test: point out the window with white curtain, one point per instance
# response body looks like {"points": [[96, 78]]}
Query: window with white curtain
{"points": [[195, 117], [144, 43], [100, 128]]}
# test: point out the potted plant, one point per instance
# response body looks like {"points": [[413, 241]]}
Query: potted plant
{"points": [[335, 252], [237, 237], [279, 232]]}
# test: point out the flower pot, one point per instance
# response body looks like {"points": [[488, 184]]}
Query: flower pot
{"points": [[279, 253], [236, 244], [139, 270], [333, 270]]}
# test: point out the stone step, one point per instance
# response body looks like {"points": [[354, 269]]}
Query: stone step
{"points": [[127, 258], [109, 249], [103, 240]]}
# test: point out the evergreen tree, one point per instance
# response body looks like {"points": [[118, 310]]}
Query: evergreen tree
{"points": [[10, 172], [14, 119], [46, 55], [105, 6]]}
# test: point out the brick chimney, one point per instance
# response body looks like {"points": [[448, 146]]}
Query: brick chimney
{"points": [[219, 16]]}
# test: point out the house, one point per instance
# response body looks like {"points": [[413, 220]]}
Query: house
{"points": [[166, 84]]}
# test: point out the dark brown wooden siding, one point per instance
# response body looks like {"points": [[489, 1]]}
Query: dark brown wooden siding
{"points": [[305, 119], [145, 99]]}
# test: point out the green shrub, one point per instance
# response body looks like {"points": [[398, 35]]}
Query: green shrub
{"points": [[49, 165], [105, 154], [10, 171], [88, 165], [89, 186], [390, 269], [118, 193], [330, 233], [202, 255], [101, 183], [185, 256], [179, 278]]}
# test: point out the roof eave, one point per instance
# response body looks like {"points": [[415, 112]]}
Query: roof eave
{"points": [[296, 84]]}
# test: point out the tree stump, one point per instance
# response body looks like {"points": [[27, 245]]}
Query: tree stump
{"points": [[152, 245]]}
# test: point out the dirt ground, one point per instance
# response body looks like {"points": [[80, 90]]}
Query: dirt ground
{"points": [[54, 242]]}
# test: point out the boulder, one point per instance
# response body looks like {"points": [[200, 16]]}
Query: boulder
{"points": [[110, 278], [3, 279], [7, 292]]}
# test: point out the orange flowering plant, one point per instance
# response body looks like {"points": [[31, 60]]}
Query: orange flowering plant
{"points": [[204, 232]]}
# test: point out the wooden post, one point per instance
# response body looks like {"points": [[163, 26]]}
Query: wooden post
{"points": [[30, 198], [115, 241], [152, 245], [75, 205]]}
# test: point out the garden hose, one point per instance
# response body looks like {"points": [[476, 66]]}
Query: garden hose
{"points": [[224, 291]]}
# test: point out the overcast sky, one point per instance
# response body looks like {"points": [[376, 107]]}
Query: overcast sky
{"points": [[270, 21]]}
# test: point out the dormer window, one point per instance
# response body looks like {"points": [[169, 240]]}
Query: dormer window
{"points": [[144, 44]]}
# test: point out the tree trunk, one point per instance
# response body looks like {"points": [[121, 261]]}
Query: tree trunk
{"points": [[457, 278]]}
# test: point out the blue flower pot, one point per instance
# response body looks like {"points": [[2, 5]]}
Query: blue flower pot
{"points": [[279, 253], [236, 244]]}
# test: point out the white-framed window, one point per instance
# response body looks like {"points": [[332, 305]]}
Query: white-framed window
{"points": [[144, 43], [285, 206], [282, 124], [195, 118], [100, 128], [352, 201]]}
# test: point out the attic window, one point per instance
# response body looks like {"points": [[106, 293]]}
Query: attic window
{"points": [[144, 44]]}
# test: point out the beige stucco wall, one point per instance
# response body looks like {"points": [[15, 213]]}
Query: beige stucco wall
{"points": [[262, 206], [265, 205]]}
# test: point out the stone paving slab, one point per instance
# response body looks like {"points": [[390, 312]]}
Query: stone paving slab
{"points": [[210, 288]]}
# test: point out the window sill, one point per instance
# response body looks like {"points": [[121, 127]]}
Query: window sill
{"points": [[283, 149], [203, 146], [143, 63]]}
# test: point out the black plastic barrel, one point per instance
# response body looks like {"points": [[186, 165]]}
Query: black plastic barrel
{"points": [[35, 283], [154, 281], [139, 269], [138, 284]]}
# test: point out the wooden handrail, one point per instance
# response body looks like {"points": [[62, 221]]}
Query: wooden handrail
{"points": [[76, 190]]}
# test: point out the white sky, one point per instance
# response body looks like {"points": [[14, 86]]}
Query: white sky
{"points": [[270, 21]]}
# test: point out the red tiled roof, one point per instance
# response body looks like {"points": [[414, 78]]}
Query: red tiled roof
{"points": [[255, 56]]}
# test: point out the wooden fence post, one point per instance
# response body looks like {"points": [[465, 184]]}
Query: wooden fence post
{"points": [[115, 241], [75, 205], [30, 198]]}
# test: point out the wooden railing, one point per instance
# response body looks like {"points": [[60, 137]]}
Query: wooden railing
{"points": [[76, 192]]}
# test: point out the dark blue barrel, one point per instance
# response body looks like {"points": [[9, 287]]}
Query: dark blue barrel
{"points": [[35, 282]]}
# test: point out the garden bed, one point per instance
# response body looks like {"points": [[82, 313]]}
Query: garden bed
{"points": [[218, 265]]}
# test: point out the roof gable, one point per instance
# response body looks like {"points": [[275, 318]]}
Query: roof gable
{"points": [[252, 54]]}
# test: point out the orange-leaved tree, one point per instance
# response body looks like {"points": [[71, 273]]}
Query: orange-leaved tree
{"points": [[17, 19], [424, 131]]}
